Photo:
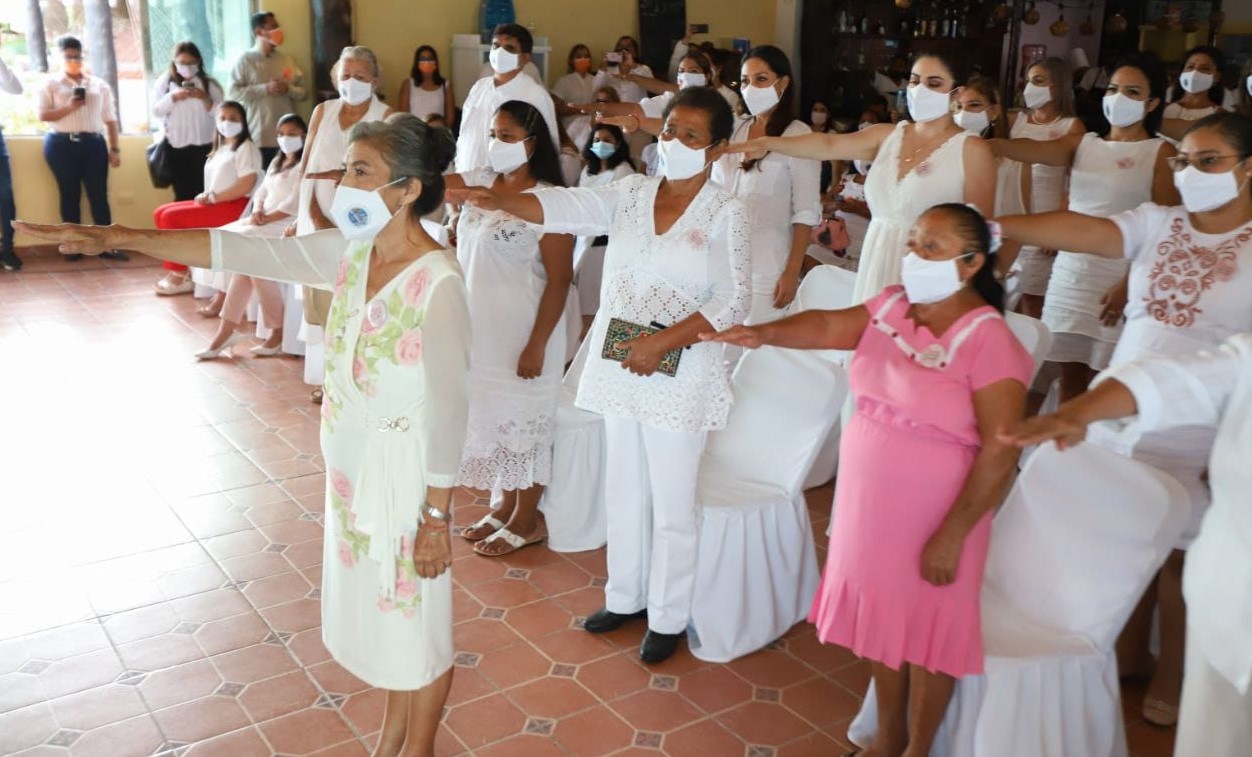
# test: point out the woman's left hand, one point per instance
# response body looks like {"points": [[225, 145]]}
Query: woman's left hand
{"points": [[940, 557], [643, 356], [785, 289], [75, 238], [432, 552], [530, 364]]}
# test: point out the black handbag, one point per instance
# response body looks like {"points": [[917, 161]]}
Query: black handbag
{"points": [[160, 168]]}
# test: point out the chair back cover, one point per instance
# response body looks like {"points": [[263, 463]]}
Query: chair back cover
{"points": [[1079, 538], [1034, 335], [826, 287], [785, 403]]}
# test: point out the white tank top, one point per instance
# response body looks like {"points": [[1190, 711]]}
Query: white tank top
{"points": [[423, 102], [1047, 182]]}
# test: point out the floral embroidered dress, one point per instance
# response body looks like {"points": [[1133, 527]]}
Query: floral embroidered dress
{"points": [[512, 420], [1188, 291], [393, 423]]}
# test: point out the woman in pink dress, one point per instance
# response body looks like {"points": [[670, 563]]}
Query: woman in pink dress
{"points": [[936, 374]]}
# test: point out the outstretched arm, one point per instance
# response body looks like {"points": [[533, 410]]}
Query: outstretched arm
{"points": [[810, 330], [1068, 425], [1050, 152], [861, 145], [1066, 230]]}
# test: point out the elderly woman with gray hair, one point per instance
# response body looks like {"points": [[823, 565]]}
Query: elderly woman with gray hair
{"points": [[394, 416], [358, 76]]}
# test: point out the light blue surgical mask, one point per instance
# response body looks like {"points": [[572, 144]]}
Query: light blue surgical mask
{"points": [[603, 150]]}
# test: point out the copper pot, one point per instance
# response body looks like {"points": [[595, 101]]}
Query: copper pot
{"points": [[1115, 25], [1031, 16], [1060, 27]]}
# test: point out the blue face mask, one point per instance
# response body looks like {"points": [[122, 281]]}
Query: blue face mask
{"points": [[603, 150]]}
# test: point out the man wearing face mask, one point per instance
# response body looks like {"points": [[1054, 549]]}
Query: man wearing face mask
{"points": [[511, 46], [268, 83]]}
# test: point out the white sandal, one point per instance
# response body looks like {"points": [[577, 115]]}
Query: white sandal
{"points": [[487, 520], [514, 541]]}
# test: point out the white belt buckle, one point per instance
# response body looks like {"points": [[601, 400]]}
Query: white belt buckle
{"points": [[393, 424]]}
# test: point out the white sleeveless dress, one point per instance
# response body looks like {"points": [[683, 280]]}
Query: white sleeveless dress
{"points": [[895, 204], [423, 102], [1107, 178], [1047, 189]]}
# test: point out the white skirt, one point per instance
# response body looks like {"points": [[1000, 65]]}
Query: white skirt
{"points": [[1073, 306]]}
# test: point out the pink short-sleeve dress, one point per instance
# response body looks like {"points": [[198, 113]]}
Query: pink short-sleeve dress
{"points": [[903, 460]]}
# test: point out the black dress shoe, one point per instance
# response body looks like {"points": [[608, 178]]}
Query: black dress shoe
{"points": [[10, 261], [73, 257], [657, 647], [603, 621], [115, 255]]}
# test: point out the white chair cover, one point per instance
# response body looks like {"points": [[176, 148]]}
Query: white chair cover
{"points": [[756, 568], [1074, 547], [1034, 335], [573, 503]]}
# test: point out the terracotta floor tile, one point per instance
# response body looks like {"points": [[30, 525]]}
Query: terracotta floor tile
{"points": [[180, 684], [538, 619], [855, 678], [236, 544], [486, 720], [334, 679], [469, 684], [350, 748], [504, 592], [98, 707], [514, 664], [254, 663], [714, 689], [67, 641], [474, 569], [484, 635], [254, 566], [593, 732], [574, 646], [159, 652], [820, 701], [201, 718], [825, 658], [308, 554], [128, 738], [306, 731], [308, 648], [80, 673], [297, 615], [275, 697], [464, 606], [143, 623], [521, 745], [703, 738], [274, 512], [228, 634], [764, 723], [364, 710], [615, 676], [246, 742], [771, 668], [552, 697], [279, 589], [26, 727], [558, 578], [211, 605], [655, 711], [293, 531], [816, 744], [188, 581], [582, 602]]}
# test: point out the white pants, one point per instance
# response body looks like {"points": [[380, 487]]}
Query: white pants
{"points": [[1215, 718], [650, 493]]}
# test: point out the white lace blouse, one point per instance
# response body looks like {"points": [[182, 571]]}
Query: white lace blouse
{"points": [[701, 264]]}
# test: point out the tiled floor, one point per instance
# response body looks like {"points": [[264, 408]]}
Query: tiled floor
{"points": [[160, 560]]}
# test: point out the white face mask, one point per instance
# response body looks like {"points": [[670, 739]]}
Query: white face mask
{"points": [[679, 161], [973, 122], [186, 70], [1206, 191], [503, 61], [1121, 110], [1195, 81], [506, 156], [760, 99], [361, 213], [229, 129], [1035, 96], [691, 79], [818, 118], [927, 281], [355, 91], [290, 145], [925, 104]]}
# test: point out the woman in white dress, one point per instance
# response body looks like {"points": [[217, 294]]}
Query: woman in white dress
{"points": [[273, 206], [782, 194], [394, 417], [694, 70], [1049, 114], [920, 163], [576, 86], [1108, 175], [356, 74], [607, 158], [625, 59], [518, 278], [1199, 92], [1189, 288], [678, 262], [426, 93]]}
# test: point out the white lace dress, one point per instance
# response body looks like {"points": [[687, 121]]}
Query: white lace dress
{"points": [[700, 264], [895, 203], [512, 421]]}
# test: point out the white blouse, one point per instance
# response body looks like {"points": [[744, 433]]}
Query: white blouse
{"points": [[701, 264], [227, 165], [97, 111], [279, 192], [628, 91], [186, 122]]}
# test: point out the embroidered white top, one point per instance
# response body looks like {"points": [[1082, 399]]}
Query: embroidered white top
{"points": [[187, 121], [700, 264]]}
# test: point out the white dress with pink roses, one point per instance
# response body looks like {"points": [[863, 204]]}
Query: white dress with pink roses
{"points": [[393, 423], [512, 421]]}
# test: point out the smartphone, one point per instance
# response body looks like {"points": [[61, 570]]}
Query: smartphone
{"points": [[699, 28], [613, 57], [80, 93], [189, 84]]}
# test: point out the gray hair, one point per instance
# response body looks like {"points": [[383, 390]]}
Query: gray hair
{"points": [[412, 150], [361, 53]]}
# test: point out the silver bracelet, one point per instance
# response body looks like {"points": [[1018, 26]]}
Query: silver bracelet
{"points": [[428, 511]]}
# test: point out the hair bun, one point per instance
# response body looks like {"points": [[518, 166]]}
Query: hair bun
{"points": [[438, 142]]}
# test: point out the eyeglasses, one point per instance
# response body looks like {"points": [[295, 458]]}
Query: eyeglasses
{"points": [[1206, 163], [73, 58]]}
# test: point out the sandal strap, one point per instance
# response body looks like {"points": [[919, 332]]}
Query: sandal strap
{"points": [[510, 538], [487, 520]]}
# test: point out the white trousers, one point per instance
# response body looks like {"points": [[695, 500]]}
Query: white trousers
{"points": [[1215, 718], [650, 493]]}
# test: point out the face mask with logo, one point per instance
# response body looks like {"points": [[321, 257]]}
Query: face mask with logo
{"points": [[927, 281], [1036, 96], [679, 161], [925, 104], [506, 156], [503, 61], [229, 129], [290, 145], [427, 66], [355, 91], [1121, 110], [1206, 191], [975, 123], [275, 36], [691, 79], [186, 70], [603, 150], [582, 65], [1195, 81], [760, 99], [361, 213], [818, 118]]}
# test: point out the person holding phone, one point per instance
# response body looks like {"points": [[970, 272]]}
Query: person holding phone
{"points": [[79, 110], [623, 59], [268, 83]]}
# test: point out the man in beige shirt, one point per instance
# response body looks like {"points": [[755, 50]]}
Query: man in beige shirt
{"points": [[268, 83]]}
